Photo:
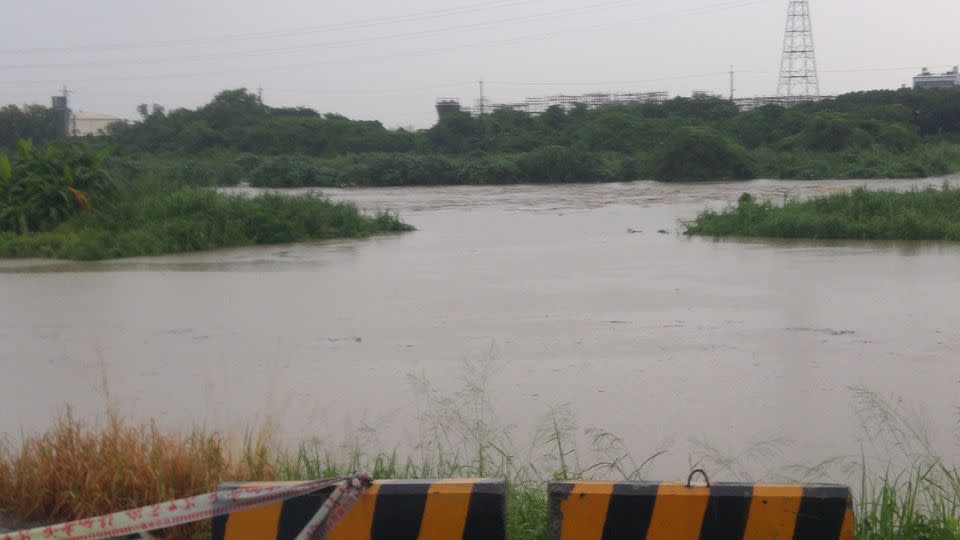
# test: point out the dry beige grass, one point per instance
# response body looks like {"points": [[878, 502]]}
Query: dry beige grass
{"points": [[76, 470]]}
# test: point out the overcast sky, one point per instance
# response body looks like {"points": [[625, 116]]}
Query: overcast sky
{"points": [[389, 60]]}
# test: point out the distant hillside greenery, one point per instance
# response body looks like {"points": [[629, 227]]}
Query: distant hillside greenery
{"points": [[236, 138]]}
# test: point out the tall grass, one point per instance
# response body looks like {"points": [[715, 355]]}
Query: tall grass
{"points": [[934, 158], [76, 469], [152, 219], [918, 214]]}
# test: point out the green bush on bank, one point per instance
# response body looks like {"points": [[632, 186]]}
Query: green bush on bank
{"points": [[62, 202], [701, 154], [693, 155], [927, 214], [40, 188], [153, 220], [550, 164]]}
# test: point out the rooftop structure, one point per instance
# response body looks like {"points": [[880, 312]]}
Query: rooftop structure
{"points": [[926, 79]]}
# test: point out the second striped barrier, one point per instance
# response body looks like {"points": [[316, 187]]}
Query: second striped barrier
{"points": [[664, 511]]}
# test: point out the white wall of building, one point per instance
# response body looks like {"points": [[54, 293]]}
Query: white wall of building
{"points": [[84, 123]]}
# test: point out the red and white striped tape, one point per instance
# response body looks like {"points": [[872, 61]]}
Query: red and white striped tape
{"points": [[200, 508]]}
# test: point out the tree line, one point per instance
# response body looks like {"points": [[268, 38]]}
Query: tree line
{"points": [[903, 132]]}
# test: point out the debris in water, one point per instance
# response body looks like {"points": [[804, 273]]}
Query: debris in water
{"points": [[830, 331], [633, 231], [355, 339], [662, 231]]}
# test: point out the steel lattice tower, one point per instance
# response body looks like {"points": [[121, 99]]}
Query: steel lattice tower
{"points": [[798, 66]]}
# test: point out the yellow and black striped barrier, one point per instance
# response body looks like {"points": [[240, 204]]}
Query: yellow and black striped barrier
{"points": [[655, 511], [390, 509]]}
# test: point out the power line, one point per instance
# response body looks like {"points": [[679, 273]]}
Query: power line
{"points": [[723, 6], [473, 83], [289, 32], [594, 83], [330, 44]]}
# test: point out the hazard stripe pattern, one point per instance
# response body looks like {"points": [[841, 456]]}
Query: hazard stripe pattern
{"points": [[391, 509], [656, 511]]}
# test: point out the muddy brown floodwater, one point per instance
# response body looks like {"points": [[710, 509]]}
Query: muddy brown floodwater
{"points": [[687, 344]]}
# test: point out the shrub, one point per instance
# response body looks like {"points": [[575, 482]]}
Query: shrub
{"points": [[40, 189], [928, 214], [151, 220], [701, 154], [559, 164]]}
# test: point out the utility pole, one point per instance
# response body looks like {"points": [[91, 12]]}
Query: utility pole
{"points": [[483, 129], [482, 100], [260, 94], [731, 83], [798, 65]]}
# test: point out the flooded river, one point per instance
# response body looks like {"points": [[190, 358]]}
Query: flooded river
{"points": [[686, 344]]}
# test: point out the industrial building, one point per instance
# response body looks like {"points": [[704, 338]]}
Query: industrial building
{"points": [[79, 123], [926, 79], [84, 123]]}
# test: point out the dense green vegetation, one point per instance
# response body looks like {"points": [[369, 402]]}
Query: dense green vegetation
{"points": [[927, 214], [39, 189], [61, 203], [236, 138]]}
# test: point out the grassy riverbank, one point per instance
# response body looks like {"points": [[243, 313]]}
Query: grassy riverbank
{"points": [[61, 202], [149, 220], [76, 469], [927, 214]]}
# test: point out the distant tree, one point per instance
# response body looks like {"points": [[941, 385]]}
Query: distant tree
{"points": [[455, 133], [696, 153], [554, 117], [33, 122]]}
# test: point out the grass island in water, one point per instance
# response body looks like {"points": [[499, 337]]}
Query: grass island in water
{"points": [[59, 202], [860, 214]]}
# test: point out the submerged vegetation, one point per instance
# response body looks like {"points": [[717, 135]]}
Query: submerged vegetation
{"points": [[237, 138], [62, 203], [918, 214]]}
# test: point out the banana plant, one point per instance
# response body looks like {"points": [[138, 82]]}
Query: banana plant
{"points": [[40, 189]]}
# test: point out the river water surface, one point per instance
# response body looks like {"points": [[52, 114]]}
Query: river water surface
{"points": [[670, 342]]}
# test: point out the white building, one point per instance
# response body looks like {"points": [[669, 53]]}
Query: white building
{"points": [[937, 80], [82, 123]]}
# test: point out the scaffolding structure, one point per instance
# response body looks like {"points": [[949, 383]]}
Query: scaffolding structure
{"points": [[539, 104]]}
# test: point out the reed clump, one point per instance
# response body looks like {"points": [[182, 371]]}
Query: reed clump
{"points": [[860, 214], [151, 219]]}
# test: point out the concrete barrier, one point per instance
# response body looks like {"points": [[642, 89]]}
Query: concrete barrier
{"points": [[655, 511], [390, 509]]}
